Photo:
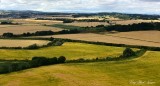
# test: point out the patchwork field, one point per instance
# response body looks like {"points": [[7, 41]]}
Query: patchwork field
{"points": [[145, 38], [19, 29], [20, 43], [69, 50], [143, 71]]}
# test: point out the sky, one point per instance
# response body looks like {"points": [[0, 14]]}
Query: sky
{"points": [[87, 6]]}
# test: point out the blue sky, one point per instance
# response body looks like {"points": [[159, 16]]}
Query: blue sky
{"points": [[124, 6]]}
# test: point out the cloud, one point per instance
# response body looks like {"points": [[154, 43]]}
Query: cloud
{"points": [[128, 6], [150, 0]]}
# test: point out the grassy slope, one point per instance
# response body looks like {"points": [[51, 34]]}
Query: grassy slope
{"points": [[145, 68], [69, 50]]}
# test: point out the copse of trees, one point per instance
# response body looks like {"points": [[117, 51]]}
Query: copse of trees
{"points": [[134, 27], [8, 35], [26, 64], [128, 52]]}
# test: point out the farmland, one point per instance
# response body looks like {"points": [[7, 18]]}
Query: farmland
{"points": [[118, 22], [35, 22], [70, 50], [92, 54], [21, 43], [130, 38], [19, 29], [122, 73]]}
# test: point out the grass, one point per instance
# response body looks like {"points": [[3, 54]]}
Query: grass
{"points": [[69, 27], [69, 50], [115, 73]]}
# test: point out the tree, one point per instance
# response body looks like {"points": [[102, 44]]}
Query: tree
{"points": [[128, 52], [61, 59], [8, 35]]}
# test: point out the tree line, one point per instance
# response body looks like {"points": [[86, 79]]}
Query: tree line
{"points": [[11, 66]]}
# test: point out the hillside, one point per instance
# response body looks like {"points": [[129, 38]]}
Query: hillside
{"points": [[143, 71]]}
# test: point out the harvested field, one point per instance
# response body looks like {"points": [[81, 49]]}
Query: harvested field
{"points": [[85, 24], [126, 22], [143, 38], [33, 21], [20, 43], [19, 29]]}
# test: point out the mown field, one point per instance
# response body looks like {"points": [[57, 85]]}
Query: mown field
{"points": [[33, 21], [119, 22], [19, 29], [87, 24], [69, 50], [21, 43], [144, 38], [143, 71]]}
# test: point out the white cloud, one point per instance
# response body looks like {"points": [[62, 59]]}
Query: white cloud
{"points": [[129, 6]]}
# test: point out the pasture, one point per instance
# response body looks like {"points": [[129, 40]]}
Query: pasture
{"points": [[21, 43], [69, 50], [116, 73]]}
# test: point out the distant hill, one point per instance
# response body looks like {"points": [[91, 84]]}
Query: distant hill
{"points": [[30, 14]]}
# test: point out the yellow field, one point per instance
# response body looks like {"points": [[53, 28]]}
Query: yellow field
{"points": [[69, 50], [19, 29], [116, 73], [143, 38], [20, 43]]}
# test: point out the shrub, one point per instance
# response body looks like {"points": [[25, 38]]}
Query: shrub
{"points": [[34, 46], [53, 60], [128, 52], [61, 59], [8, 35], [39, 61]]}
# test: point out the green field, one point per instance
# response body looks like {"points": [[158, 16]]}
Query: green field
{"points": [[69, 50], [144, 69]]}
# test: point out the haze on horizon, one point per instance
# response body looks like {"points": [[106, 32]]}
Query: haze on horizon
{"points": [[87, 6]]}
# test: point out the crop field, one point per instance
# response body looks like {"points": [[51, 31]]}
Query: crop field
{"points": [[119, 22], [85, 24], [126, 22], [33, 21], [19, 29], [69, 50], [130, 38], [144, 69], [20, 43]]}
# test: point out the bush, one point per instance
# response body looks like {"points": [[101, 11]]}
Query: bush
{"points": [[61, 59], [128, 52], [53, 60], [8, 35], [39, 61], [34, 46]]}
